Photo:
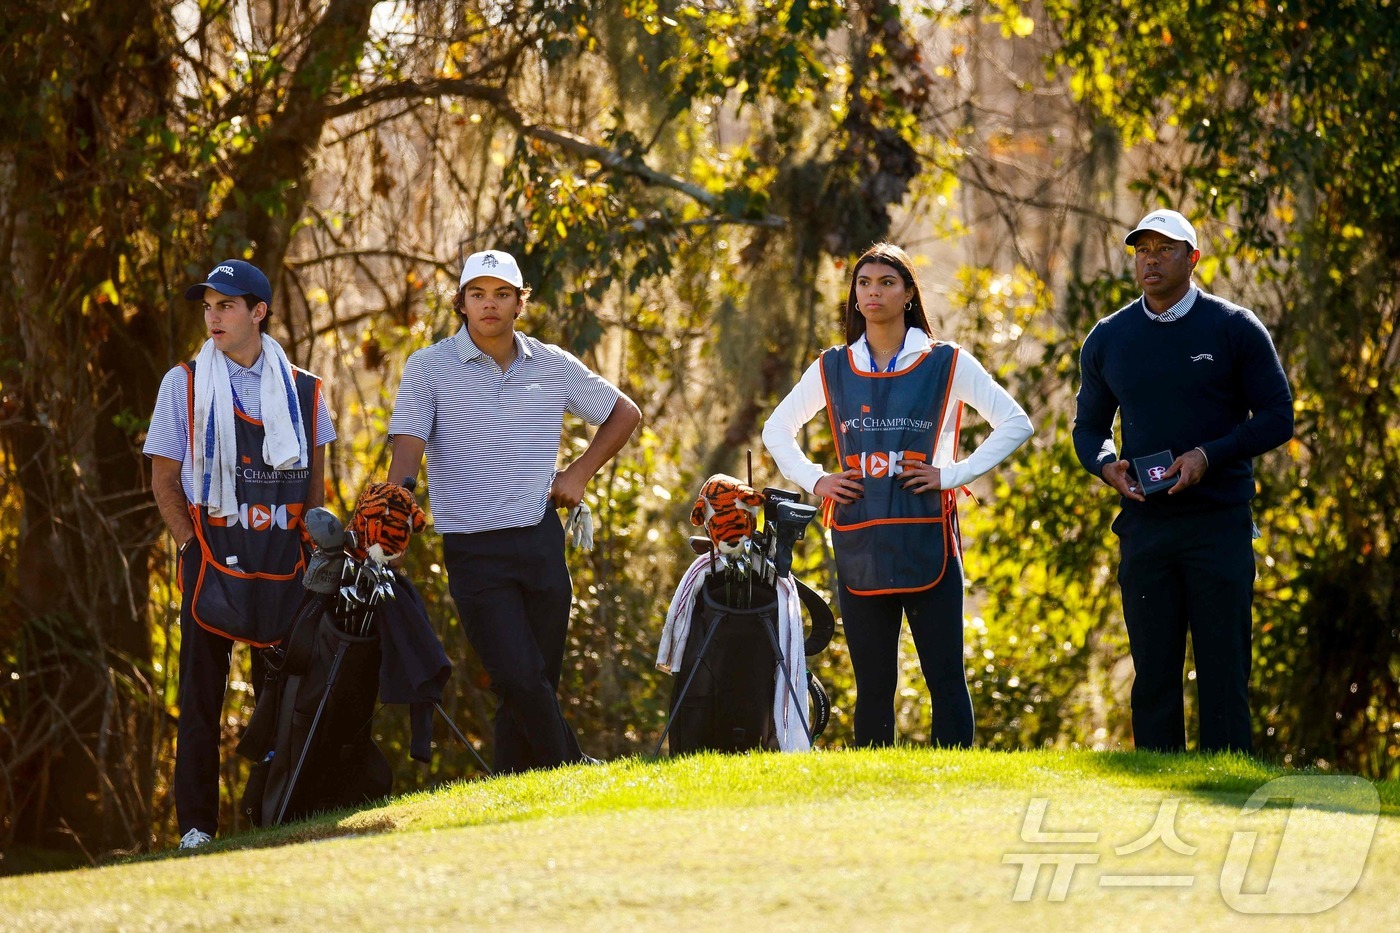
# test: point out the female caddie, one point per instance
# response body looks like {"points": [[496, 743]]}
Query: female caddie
{"points": [[894, 396]]}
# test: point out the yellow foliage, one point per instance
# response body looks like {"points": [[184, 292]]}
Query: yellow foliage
{"points": [[1207, 269]]}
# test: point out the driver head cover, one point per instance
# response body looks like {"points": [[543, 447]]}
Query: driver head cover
{"points": [[386, 516], [728, 511]]}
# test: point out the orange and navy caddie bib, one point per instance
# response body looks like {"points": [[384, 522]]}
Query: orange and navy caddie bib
{"points": [[243, 581], [890, 540]]}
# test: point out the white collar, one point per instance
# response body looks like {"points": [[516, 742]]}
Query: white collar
{"points": [[915, 341]]}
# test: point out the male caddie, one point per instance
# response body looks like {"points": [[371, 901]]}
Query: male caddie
{"points": [[487, 405], [232, 491], [1201, 393]]}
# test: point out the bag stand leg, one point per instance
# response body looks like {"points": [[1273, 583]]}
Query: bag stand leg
{"points": [[462, 738], [787, 679], [311, 733], [704, 646]]}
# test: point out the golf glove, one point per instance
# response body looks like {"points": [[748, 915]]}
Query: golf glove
{"points": [[579, 527]]}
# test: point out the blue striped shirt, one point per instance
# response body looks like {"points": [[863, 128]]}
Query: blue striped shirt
{"points": [[492, 438], [169, 433], [1177, 311]]}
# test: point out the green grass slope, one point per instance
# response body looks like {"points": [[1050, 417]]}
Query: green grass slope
{"points": [[896, 839]]}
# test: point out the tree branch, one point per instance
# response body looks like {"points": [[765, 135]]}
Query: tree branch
{"points": [[498, 100]]}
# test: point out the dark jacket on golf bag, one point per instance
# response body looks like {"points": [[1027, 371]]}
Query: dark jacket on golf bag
{"points": [[343, 767], [723, 694], [415, 668], [401, 659]]}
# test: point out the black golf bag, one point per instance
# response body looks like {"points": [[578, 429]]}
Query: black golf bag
{"points": [[723, 694], [321, 670], [728, 706], [361, 635]]}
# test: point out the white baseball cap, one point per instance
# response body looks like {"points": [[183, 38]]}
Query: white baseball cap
{"points": [[1166, 222], [492, 262]]}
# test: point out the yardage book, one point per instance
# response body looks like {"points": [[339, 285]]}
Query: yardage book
{"points": [[1150, 470]]}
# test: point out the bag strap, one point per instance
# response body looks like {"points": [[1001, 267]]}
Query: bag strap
{"points": [[823, 621]]}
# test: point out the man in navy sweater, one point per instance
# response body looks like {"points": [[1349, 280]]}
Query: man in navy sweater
{"points": [[1196, 378]]}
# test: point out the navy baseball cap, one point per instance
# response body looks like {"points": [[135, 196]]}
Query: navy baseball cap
{"points": [[233, 277]]}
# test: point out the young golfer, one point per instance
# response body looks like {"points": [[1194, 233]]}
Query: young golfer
{"points": [[487, 406]]}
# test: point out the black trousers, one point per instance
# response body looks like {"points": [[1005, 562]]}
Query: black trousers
{"points": [[513, 592], [204, 670], [1189, 573], [872, 625]]}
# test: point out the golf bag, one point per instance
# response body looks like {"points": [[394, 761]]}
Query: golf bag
{"points": [[361, 635], [732, 669], [742, 666], [323, 671]]}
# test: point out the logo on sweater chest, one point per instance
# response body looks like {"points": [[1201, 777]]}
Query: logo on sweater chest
{"points": [[1202, 357]]}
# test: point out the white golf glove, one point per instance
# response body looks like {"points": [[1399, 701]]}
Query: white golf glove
{"points": [[579, 527]]}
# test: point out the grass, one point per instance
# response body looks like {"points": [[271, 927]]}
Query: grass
{"points": [[896, 839]]}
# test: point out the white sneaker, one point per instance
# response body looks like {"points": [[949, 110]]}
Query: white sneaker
{"points": [[195, 838]]}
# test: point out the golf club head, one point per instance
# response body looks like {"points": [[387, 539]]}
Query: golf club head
{"points": [[793, 519], [701, 545], [326, 530], [772, 496], [323, 572]]}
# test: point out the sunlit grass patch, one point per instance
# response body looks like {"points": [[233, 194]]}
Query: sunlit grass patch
{"points": [[901, 838]]}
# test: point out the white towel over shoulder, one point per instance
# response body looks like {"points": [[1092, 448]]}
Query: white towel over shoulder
{"points": [[215, 443]]}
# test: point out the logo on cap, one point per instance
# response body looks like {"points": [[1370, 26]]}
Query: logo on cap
{"points": [[490, 261]]}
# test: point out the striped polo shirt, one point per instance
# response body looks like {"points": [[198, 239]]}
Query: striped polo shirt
{"points": [[492, 437], [169, 433], [1177, 311]]}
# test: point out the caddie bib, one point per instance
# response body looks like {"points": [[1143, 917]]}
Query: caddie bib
{"points": [[244, 582], [890, 540]]}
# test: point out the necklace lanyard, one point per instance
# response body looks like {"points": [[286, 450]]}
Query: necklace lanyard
{"points": [[889, 369]]}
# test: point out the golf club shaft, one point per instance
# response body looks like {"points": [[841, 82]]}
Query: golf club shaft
{"points": [[695, 669], [311, 733], [462, 738]]}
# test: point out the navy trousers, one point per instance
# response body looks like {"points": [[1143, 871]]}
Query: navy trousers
{"points": [[872, 625], [1181, 574], [513, 592], [204, 670]]}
